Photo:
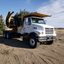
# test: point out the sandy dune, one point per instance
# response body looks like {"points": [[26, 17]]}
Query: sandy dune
{"points": [[14, 51]]}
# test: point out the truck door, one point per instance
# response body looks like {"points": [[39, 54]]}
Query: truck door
{"points": [[27, 25]]}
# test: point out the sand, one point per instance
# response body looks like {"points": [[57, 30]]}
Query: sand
{"points": [[14, 51]]}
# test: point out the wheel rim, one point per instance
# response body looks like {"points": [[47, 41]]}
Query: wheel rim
{"points": [[32, 42]]}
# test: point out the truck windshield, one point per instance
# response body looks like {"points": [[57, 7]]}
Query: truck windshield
{"points": [[37, 20]]}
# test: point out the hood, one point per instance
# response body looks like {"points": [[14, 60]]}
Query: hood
{"points": [[43, 25]]}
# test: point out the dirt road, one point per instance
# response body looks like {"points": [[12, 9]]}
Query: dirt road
{"points": [[14, 51]]}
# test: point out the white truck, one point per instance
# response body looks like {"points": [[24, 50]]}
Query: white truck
{"points": [[34, 30]]}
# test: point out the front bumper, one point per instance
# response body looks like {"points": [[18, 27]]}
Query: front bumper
{"points": [[46, 38]]}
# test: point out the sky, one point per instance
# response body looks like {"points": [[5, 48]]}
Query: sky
{"points": [[55, 8]]}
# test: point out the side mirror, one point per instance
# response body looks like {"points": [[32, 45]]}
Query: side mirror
{"points": [[29, 21]]}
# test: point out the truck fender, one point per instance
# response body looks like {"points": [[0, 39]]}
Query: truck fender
{"points": [[33, 35]]}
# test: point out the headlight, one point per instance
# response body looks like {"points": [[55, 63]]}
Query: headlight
{"points": [[42, 32]]}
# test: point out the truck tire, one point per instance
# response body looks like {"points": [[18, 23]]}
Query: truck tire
{"points": [[33, 43], [7, 35]]}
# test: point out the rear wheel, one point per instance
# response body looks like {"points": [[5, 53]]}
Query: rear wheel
{"points": [[33, 43]]}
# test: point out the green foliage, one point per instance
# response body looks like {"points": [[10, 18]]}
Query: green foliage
{"points": [[19, 17], [1, 24]]}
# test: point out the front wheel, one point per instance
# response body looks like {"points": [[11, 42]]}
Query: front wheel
{"points": [[33, 43]]}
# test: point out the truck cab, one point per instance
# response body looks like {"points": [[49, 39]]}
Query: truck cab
{"points": [[37, 30]]}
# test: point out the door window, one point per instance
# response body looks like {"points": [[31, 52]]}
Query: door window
{"points": [[29, 21]]}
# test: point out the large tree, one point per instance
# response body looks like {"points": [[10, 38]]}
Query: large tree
{"points": [[19, 17]]}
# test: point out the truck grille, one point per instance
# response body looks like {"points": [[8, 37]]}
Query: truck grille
{"points": [[49, 30]]}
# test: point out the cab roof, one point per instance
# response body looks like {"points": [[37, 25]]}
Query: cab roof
{"points": [[35, 14]]}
